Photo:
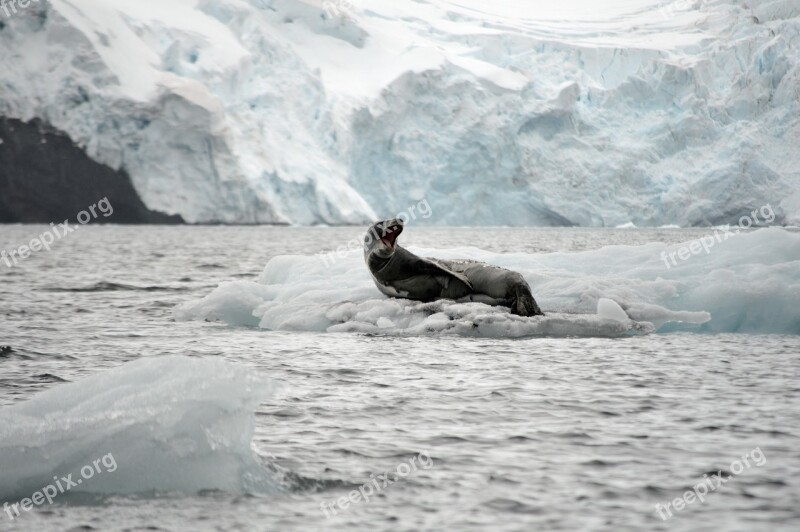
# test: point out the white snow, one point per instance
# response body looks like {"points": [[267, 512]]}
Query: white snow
{"points": [[170, 423], [747, 283], [641, 112]]}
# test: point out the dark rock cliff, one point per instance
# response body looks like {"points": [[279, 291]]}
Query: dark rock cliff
{"points": [[45, 177]]}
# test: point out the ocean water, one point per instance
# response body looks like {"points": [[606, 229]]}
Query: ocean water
{"points": [[476, 432]]}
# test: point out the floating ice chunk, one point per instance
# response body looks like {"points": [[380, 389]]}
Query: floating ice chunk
{"points": [[608, 309], [750, 283], [659, 316], [232, 302], [171, 423]]}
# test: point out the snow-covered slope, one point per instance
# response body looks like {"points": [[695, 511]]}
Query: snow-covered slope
{"points": [[508, 112]]}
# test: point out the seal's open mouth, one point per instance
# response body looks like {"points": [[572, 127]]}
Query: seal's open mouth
{"points": [[390, 234]]}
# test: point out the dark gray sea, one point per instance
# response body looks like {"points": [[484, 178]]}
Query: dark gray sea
{"points": [[458, 433]]}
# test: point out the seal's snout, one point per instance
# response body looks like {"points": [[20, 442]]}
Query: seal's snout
{"points": [[391, 229], [381, 239]]}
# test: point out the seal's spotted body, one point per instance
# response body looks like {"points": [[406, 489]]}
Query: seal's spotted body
{"points": [[399, 273]]}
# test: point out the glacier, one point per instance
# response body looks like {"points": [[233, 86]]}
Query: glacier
{"points": [[640, 112], [615, 291]]}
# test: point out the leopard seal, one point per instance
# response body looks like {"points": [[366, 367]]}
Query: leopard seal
{"points": [[399, 273]]}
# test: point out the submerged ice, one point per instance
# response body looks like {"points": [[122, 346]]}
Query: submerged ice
{"points": [[747, 283], [170, 423]]}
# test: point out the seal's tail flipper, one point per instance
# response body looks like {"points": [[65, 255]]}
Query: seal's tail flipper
{"points": [[523, 303]]}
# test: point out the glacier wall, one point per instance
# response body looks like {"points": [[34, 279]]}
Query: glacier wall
{"points": [[302, 111]]}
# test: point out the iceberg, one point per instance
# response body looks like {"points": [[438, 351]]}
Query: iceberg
{"points": [[749, 283], [168, 424]]}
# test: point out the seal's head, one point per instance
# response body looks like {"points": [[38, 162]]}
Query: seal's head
{"points": [[381, 239]]}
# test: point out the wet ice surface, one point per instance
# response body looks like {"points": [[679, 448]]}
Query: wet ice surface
{"points": [[548, 433], [750, 283]]}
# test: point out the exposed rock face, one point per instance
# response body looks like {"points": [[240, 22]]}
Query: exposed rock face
{"points": [[45, 177]]}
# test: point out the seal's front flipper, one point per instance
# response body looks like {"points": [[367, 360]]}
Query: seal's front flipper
{"points": [[433, 266]]}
